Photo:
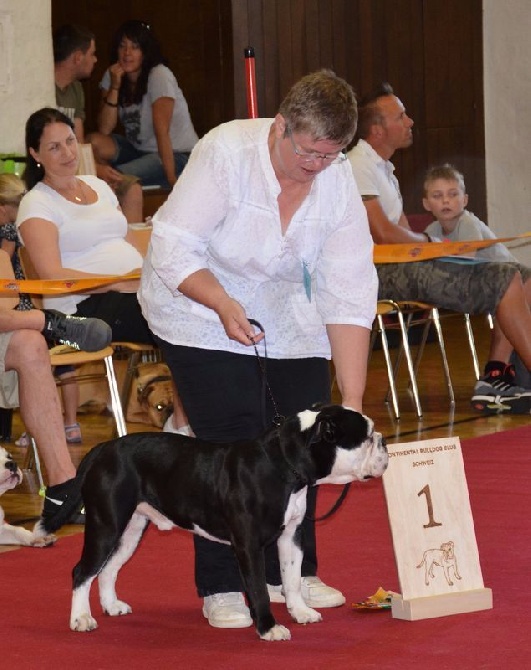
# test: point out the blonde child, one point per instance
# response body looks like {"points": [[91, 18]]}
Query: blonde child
{"points": [[446, 198], [11, 191]]}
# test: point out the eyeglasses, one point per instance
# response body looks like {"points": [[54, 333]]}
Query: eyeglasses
{"points": [[309, 156]]}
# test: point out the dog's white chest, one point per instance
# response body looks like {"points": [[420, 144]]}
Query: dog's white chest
{"points": [[296, 508]]}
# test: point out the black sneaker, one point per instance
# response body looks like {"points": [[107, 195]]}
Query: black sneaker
{"points": [[76, 331], [496, 392]]}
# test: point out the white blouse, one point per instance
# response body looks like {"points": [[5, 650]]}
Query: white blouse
{"points": [[223, 215]]}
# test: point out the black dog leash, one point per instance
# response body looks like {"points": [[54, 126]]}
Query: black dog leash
{"points": [[266, 389], [334, 507], [278, 419]]}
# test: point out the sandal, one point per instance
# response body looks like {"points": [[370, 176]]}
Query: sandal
{"points": [[73, 433]]}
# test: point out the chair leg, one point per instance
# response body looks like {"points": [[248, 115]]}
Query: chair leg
{"points": [[422, 345], [116, 404], [409, 361], [32, 459], [472, 345], [442, 349], [132, 363], [388, 362]]}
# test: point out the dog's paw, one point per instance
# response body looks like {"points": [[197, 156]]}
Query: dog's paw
{"points": [[43, 540], [117, 608], [305, 615], [83, 623], [39, 530], [276, 633]]}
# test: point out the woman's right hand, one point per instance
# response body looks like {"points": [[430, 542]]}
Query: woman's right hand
{"points": [[116, 72], [109, 174], [235, 323]]}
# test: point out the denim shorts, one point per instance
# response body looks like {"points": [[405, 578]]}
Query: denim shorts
{"points": [[145, 165], [468, 288]]}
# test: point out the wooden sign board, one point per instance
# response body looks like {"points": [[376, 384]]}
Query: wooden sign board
{"points": [[433, 531]]}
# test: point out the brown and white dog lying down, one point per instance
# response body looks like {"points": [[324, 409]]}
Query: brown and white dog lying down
{"points": [[11, 476], [153, 401], [246, 494]]}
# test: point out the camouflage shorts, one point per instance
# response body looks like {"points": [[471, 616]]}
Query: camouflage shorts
{"points": [[469, 288]]}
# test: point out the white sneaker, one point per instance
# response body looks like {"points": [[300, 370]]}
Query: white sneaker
{"points": [[315, 593], [183, 430], [227, 610], [276, 594]]}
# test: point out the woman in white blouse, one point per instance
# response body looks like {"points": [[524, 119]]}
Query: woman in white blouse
{"points": [[265, 223]]}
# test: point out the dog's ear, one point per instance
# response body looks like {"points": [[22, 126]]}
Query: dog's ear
{"points": [[339, 425], [325, 429]]}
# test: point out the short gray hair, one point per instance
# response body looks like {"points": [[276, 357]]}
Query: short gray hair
{"points": [[322, 105]]}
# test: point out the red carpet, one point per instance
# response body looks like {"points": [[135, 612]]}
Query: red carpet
{"points": [[167, 629]]}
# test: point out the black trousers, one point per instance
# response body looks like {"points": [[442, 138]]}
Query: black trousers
{"points": [[123, 314], [222, 395]]}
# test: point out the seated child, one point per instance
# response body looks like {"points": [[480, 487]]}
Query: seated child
{"points": [[446, 198]]}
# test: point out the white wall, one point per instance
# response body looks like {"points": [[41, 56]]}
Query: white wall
{"points": [[26, 67], [507, 72]]}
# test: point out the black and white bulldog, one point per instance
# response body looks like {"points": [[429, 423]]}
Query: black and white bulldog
{"points": [[246, 494], [11, 476]]}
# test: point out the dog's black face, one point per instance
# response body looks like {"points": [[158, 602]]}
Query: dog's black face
{"points": [[360, 452], [10, 473]]}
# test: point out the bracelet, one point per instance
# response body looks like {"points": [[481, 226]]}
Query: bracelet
{"points": [[111, 104], [115, 88]]}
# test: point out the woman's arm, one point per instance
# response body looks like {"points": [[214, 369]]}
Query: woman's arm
{"points": [[41, 240], [204, 288], [108, 114], [350, 353], [162, 110], [8, 246]]}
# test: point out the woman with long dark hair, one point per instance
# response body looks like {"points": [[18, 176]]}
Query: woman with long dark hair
{"points": [[141, 92], [72, 226]]}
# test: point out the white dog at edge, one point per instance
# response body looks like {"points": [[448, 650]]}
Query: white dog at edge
{"points": [[11, 476]]}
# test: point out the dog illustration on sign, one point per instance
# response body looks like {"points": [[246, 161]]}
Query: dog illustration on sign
{"points": [[443, 557]]}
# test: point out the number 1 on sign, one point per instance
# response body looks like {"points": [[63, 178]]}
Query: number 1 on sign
{"points": [[431, 521]]}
